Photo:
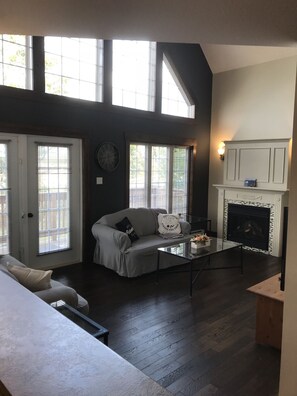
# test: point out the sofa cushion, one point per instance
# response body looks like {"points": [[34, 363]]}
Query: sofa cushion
{"points": [[168, 224], [3, 268], [126, 226], [32, 279], [144, 220], [5, 260]]}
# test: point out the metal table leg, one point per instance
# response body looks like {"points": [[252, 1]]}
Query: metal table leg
{"points": [[191, 278], [158, 267], [241, 260]]}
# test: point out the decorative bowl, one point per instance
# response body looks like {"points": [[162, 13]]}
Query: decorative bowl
{"points": [[197, 247]]}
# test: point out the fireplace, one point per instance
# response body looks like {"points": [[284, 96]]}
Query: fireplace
{"points": [[260, 224], [270, 202], [249, 225]]}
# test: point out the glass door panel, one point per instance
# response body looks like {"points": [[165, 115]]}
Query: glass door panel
{"points": [[9, 195], [4, 201], [53, 198]]}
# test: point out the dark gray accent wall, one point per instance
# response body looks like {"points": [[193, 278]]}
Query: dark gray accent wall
{"points": [[38, 113]]}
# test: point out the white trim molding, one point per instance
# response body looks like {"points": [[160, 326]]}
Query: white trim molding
{"points": [[267, 161]]}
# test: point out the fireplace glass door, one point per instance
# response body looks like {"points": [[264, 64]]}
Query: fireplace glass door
{"points": [[249, 225]]}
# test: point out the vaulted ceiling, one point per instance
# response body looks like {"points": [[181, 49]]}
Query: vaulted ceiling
{"points": [[237, 25], [229, 57]]}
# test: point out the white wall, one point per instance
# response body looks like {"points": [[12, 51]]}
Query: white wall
{"points": [[255, 102], [288, 378]]}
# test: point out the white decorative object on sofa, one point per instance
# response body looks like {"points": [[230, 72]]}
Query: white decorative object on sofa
{"points": [[169, 223], [115, 250]]}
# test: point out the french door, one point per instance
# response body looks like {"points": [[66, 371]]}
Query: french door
{"points": [[41, 222]]}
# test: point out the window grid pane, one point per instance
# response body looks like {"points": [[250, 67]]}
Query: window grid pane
{"points": [[160, 177], [180, 180], [74, 67], [173, 99], [4, 201], [16, 61], [54, 198], [133, 74], [151, 171], [138, 176]]}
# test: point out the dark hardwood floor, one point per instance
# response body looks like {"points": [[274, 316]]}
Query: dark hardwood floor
{"points": [[199, 346]]}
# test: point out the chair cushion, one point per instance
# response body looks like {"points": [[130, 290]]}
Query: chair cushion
{"points": [[32, 279]]}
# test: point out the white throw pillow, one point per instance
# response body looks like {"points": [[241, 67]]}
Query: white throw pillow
{"points": [[168, 224], [34, 280]]}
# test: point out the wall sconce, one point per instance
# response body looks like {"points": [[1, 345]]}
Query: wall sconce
{"points": [[221, 151]]}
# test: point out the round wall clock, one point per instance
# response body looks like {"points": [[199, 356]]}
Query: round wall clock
{"points": [[108, 156]]}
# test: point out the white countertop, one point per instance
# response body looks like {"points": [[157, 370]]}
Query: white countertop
{"points": [[44, 353]]}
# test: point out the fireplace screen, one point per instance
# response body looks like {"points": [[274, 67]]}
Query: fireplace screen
{"points": [[248, 225]]}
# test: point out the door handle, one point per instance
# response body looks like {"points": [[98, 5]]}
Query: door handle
{"points": [[30, 214]]}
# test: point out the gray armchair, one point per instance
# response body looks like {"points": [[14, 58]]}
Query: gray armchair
{"points": [[57, 290]]}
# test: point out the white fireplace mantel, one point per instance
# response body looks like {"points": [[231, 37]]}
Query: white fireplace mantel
{"points": [[276, 200], [267, 161]]}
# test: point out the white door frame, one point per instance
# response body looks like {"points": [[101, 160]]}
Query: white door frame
{"points": [[22, 184], [74, 253]]}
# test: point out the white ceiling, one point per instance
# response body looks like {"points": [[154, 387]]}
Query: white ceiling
{"points": [[229, 30], [231, 22], [228, 57]]}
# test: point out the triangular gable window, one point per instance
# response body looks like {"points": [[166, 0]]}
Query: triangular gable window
{"points": [[175, 100]]}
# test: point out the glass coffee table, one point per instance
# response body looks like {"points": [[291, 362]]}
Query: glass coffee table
{"points": [[194, 259], [83, 321], [198, 224]]}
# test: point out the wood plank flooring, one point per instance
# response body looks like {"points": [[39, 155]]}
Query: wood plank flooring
{"points": [[199, 346]]}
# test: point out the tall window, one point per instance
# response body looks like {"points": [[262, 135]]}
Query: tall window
{"points": [[175, 100], [74, 67], [16, 61], [159, 177], [133, 74]]}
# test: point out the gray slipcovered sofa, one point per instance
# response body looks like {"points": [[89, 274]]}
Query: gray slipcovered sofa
{"points": [[57, 291], [115, 250]]}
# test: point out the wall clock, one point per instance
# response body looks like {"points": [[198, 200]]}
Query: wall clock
{"points": [[108, 156]]}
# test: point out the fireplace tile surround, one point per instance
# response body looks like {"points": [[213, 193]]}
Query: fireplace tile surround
{"points": [[274, 200], [267, 161]]}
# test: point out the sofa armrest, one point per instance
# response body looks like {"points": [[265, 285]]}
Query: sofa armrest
{"points": [[59, 292], [185, 227], [108, 236]]}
